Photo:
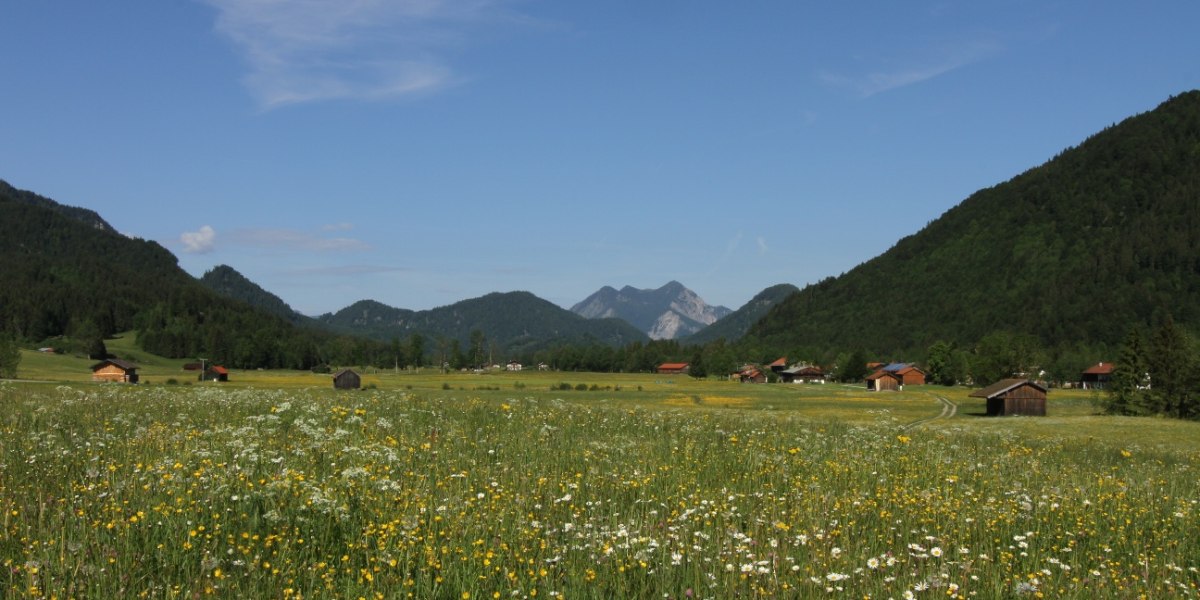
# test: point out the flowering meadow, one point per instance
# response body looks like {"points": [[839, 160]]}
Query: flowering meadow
{"points": [[187, 492]]}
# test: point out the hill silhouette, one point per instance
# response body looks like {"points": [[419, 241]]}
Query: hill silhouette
{"points": [[1073, 252]]}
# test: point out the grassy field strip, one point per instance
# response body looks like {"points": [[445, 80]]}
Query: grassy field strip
{"points": [[949, 409], [205, 491]]}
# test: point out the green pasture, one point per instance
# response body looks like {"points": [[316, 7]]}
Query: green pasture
{"points": [[1072, 414], [496, 486]]}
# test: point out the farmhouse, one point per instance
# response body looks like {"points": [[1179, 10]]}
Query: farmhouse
{"points": [[803, 374], [779, 365], [215, 373], [909, 374], [346, 379], [672, 368], [750, 374], [513, 366], [882, 380], [1014, 397], [1097, 376], [115, 369]]}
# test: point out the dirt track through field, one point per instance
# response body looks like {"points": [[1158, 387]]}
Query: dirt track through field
{"points": [[949, 409]]}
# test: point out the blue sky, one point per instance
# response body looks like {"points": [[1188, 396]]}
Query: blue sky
{"points": [[421, 152]]}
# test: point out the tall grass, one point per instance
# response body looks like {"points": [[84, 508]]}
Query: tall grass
{"points": [[167, 492]]}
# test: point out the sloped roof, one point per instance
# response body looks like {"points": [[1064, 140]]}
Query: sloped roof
{"points": [[673, 366], [1003, 386], [1100, 368], [219, 370], [880, 374], [124, 364], [804, 370], [343, 372], [782, 362]]}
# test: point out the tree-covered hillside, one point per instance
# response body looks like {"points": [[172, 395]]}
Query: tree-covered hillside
{"points": [[226, 281], [733, 326], [1103, 237], [516, 323], [65, 272]]}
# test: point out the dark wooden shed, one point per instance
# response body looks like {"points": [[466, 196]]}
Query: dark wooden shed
{"points": [[1014, 397], [346, 379]]}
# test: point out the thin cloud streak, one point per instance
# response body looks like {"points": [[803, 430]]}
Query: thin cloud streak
{"points": [[290, 239], [877, 82], [314, 50]]}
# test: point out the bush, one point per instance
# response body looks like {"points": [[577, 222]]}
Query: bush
{"points": [[581, 387], [172, 381]]}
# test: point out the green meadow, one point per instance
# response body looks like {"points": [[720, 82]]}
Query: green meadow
{"points": [[577, 485]]}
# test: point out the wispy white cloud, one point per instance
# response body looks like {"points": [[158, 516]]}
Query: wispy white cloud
{"points": [[338, 227], [201, 241], [290, 239], [908, 72], [312, 50], [762, 245]]}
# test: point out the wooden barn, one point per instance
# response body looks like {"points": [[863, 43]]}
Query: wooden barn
{"points": [[883, 381], [803, 374], [672, 368], [346, 379], [909, 373], [750, 374], [115, 369], [1096, 377], [779, 365], [1014, 397]]}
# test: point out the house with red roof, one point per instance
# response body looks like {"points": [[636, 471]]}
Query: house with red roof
{"points": [[1097, 376], [672, 368]]}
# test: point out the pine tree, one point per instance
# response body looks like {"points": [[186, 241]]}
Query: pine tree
{"points": [[1126, 393], [10, 358], [1171, 368]]}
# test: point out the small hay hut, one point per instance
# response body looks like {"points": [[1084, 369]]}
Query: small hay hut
{"points": [[1014, 397], [346, 379]]}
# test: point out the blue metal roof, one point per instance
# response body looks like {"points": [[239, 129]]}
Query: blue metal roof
{"points": [[892, 368]]}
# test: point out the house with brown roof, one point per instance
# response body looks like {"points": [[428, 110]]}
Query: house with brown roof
{"points": [[883, 381], [750, 374], [779, 365], [1014, 397], [1097, 376], [672, 368], [803, 374], [115, 370]]}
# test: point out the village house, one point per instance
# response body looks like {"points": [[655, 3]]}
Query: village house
{"points": [[116, 370], [779, 365], [346, 379], [672, 368], [883, 381], [513, 366], [1097, 376], [803, 374], [215, 373], [909, 373], [750, 374], [1014, 397]]}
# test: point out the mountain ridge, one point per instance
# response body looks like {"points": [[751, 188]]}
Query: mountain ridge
{"points": [[668, 312]]}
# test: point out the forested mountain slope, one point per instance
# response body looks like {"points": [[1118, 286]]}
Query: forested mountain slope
{"points": [[65, 271], [515, 322], [733, 326], [1076, 251], [228, 282]]}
